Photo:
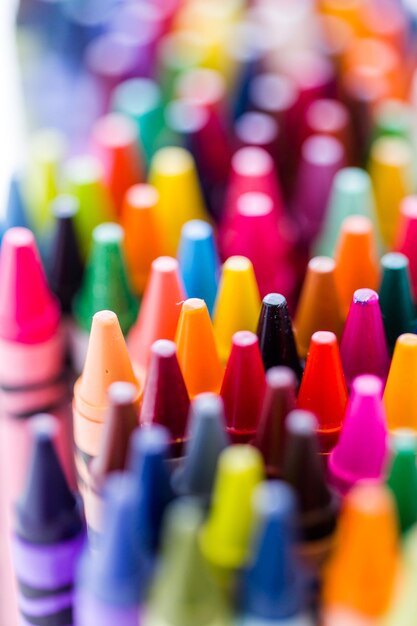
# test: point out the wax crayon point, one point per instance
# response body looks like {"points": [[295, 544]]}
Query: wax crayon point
{"points": [[395, 299], [64, 259], [160, 309], [407, 236], [318, 305], [184, 592], [351, 195], [165, 397], [366, 549], [115, 141], [275, 334], [197, 352], [363, 347], [29, 313], [304, 471], [199, 261], [243, 387], [47, 511], [274, 583], [399, 395], [361, 451], [227, 531], [402, 476], [356, 260], [279, 400], [174, 175], [207, 438], [323, 388], [105, 284], [237, 304], [16, 210], [141, 241], [148, 463]]}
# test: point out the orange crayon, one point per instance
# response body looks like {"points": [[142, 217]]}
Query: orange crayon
{"points": [[400, 391]]}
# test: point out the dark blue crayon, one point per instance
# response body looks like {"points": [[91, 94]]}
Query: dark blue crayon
{"points": [[49, 536]]}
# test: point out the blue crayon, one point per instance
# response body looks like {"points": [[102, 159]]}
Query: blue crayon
{"points": [[199, 261], [16, 212], [273, 589], [49, 536], [110, 580]]}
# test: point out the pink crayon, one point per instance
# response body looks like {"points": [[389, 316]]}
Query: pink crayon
{"points": [[363, 347], [361, 451]]}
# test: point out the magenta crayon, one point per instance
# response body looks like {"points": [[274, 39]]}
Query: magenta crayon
{"points": [[364, 347], [243, 387], [258, 129], [406, 238], [361, 452]]}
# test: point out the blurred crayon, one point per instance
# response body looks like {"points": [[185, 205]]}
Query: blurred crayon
{"points": [[197, 352], [361, 452], [406, 236], [403, 607], [395, 299], [318, 305], [363, 347], [243, 387], [257, 129], [199, 262], [402, 476], [330, 118], [49, 535], [275, 334], [323, 388], [16, 209], [206, 440], [393, 118], [356, 259], [399, 397], [237, 303]]}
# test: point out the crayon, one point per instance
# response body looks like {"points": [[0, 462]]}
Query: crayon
{"points": [[159, 311], [257, 129], [330, 118], [141, 243], [16, 209], [395, 299], [105, 285], [318, 305], [399, 398], [366, 550], [275, 334], [184, 592], [304, 471], [403, 607], [393, 118], [402, 476], [323, 388], [226, 533], [107, 361], [207, 438], [111, 579], [165, 398], [279, 399], [49, 535], [386, 21], [356, 259], [273, 591], [243, 387], [197, 352], [363, 347], [237, 303], [361, 452], [199, 262], [406, 236]]}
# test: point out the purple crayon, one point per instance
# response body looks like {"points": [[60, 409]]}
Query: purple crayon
{"points": [[361, 451], [363, 347], [49, 535]]}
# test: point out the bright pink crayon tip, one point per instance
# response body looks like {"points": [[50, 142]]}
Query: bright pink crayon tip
{"points": [[29, 313], [243, 387], [407, 236], [362, 448], [364, 347]]}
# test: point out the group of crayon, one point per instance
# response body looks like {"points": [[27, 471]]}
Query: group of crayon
{"points": [[208, 287]]}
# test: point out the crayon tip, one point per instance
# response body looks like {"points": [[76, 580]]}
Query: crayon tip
{"points": [[279, 400], [197, 353], [406, 236], [16, 210], [402, 476], [243, 387], [29, 313], [361, 451], [237, 304], [275, 334], [399, 395], [323, 388], [363, 347]]}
